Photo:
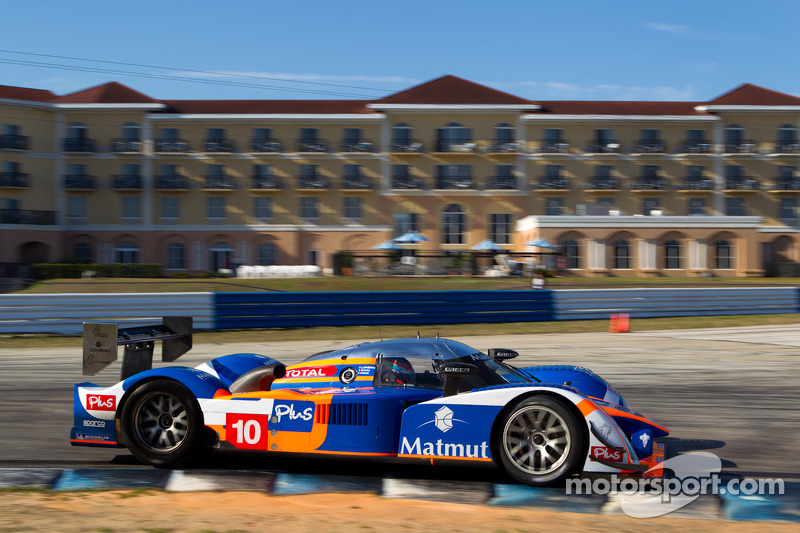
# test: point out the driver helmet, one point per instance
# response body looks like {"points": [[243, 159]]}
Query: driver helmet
{"points": [[397, 370]]}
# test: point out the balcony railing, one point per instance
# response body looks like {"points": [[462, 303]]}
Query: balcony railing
{"points": [[787, 148], [219, 146], [265, 182], [357, 183], [410, 146], [80, 182], [124, 146], [79, 145], [742, 147], [13, 142], [552, 183], [603, 183], [648, 147], [743, 183], [610, 147], [502, 183], [14, 179], [225, 183], [498, 147], [27, 216], [455, 183], [360, 146], [317, 145], [172, 183], [694, 147], [175, 146], [553, 147], [696, 184], [459, 148], [786, 184], [313, 182], [406, 182], [122, 182], [648, 184], [266, 145]]}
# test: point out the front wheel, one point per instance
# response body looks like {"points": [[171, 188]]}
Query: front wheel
{"points": [[162, 423], [540, 441]]}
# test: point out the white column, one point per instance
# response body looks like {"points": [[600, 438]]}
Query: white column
{"points": [[647, 254], [522, 155], [198, 256], [718, 168], [698, 254], [596, 256], [147, 172]]}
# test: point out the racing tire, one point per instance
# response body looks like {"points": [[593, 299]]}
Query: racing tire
{"points": [[162, 424], [540, 441]]}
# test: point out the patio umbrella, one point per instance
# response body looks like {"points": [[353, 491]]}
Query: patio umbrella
{"points": [[542, 243], [488, 244], [411, 236], [387, 245]]}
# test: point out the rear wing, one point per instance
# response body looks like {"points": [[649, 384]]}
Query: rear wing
{"points": [[100, 342]]}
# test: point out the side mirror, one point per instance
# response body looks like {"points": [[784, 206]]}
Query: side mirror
{"points": [[501, 354], [453, 372]]}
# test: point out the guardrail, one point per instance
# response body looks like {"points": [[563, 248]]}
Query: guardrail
{"points": [[65, 313]]}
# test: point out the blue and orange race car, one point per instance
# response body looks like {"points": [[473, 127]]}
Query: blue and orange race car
{"points": [[429, 399]]}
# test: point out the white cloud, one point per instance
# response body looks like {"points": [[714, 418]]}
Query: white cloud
{"points": [[289, 77], [668, 28]]}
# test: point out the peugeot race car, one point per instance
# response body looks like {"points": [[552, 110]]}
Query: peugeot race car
{"points": [[417, 398]]}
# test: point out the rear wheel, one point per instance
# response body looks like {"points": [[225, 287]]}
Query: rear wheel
{"points": [[540, 441], [162, 423]]}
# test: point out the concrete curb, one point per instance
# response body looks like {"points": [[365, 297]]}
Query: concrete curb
{"points": [[771, 508]]}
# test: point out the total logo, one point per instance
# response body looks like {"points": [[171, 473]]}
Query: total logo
{"points": [[311, 372], [101, 402], [607, 454]]}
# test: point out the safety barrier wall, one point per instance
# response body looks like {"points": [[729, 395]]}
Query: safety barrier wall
{"points": [[65, 313]]}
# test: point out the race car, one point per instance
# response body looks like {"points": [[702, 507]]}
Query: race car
{"points": [[426, 399]]}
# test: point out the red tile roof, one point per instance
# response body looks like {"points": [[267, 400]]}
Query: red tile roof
{"points": [[269, 106], [108, 93], [22, 93], [577, 107], [749, 94], [453, 90]]}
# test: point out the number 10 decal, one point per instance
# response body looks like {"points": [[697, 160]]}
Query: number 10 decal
{"points": [[246, 431]]}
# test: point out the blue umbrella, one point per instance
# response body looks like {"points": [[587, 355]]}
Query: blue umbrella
{"points": [[411, 236], [387, 245], [488, 244], [542, 243]]}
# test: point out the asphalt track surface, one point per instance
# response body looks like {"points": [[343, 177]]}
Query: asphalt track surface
{"points": [[730, 391]]}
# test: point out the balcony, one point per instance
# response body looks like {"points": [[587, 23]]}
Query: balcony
{"points": [[27, 216], [361, 146], [357, 183], [313, 182], [742, 147], [648, 147], [130, 183], [266, 146], [552, 183], [455, 183], [609, 147], [785, 184], [603, 183], [553, 147], [787, 148], [457, 148], [648, 183], [316, 145], [219, 146], [80, 182], [265, 182], [172, 183], [175, 146], [412, 146], [694, 147], [121, 146], [696, 184], [744, 183], [408, 183], [13, 142], [219, 183], [502, 183], [81, 146], [14, 179], [498, 147]]}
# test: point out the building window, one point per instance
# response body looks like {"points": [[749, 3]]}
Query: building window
{"points": [[650, 204], [170, 207], [723, 252], [672, 254], [553, 136], [554, 206], [308, 135], [267, 254], [453, 135], [787, 136], [215, 134], [176, 256], [401, 137], [734, 137], [406, 222], [84, 252], [571, 250], [309, 207], [221, 256], [169, 134], [454, 176], [352, 138], [127, 253], [352, 207], [500, 228], [735, 206], [76, 208], [503, 134], [262, 135], [77, 132], [453, 224], [131, 207], [131, 132], [696, 206], [215, 207], [787, 209], [622, 254], [262, 207]]}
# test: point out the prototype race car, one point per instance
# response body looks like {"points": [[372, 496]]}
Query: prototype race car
{"points": [[417, 398]]}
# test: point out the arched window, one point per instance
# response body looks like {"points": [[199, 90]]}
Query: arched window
{"points": [[267, 254], [453, 224], [127, 253], [672, 254], [221, 256], [622, 254], [84, 252], [723, 254], [572, 252], [176, 256]]}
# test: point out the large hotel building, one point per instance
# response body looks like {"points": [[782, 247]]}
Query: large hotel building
{"points": [[110, 175]]}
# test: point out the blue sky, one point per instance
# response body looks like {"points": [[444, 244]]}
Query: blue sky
{"points": [[567, 50]]}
